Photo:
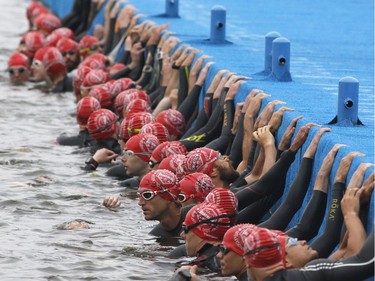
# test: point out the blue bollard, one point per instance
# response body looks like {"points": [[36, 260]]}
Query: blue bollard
{"points": [[281, 60], [218, 24], [171, 8], [270, 36], [347, 105]]}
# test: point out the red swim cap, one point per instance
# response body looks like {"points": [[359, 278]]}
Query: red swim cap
{"points": [[157, 129], [66, 45], [85, 107], [121, 85], [47, 23], [37, 11], [18, 59], [217, 221], [163, 181], [86, 43], [78, 78], [135, 106], [102, 124], [95, 77], [96, 61], [31, 7], [174, 163], [65, 32], [201, 160], [40, 53], [116, 67], [101, 93], [143, 144], [168, 148], [196, 185], [173, 120], [52, 39], [234, 238], [34, 40], [225, 198], [132, 124], [125, 97], [262, 249], [53, 61]]}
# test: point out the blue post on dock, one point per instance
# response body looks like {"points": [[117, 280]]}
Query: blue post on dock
{"points": [[171, 8], [270, 36], [347, 103], [218, 24], [281, 60]]}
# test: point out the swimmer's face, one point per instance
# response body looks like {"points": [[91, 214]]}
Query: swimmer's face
{"points": [[18, 74], [193, 243], [225, 170], [153, 206], [38, 71], [135, 166], [298, 253], [154, 165], [230, 262], [71, 59]]}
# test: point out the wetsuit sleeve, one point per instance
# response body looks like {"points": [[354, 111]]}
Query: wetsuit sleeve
{"points": [[293, 201], [111, 35], [183, 74], [178, 252], [72, 20], [84, 17], [256, 211], [125, 57], [236, 153], [155, 95], [211, 130], [71, 140], [312, 217], [191, 101], [267, 183], [137, 71], [117, 171], [328, 240], [226, 136], [358, 267], [202, 118], [122, 73]]}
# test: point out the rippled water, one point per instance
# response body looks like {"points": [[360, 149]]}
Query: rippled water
{"points": [[42, 186]]}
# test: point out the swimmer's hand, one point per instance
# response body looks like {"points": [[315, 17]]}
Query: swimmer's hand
{"points": [[187, 272], [104, 155], [111, 202]]}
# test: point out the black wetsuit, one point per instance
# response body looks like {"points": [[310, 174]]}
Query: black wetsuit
{"points": [[203, 115], [243, 277], [294, 199], [223, 143], [65, 85], [207, 258], [83, 139], [159, 231], [117, 171], [355, 268], [131, 182], [190, 103], [111, 144], [77, 20], [271, 182], [183, 84], [211, 130], [235, 154], [327, 241]]}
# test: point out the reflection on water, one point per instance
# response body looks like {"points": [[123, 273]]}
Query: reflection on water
{"points": [[45, 194]]}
